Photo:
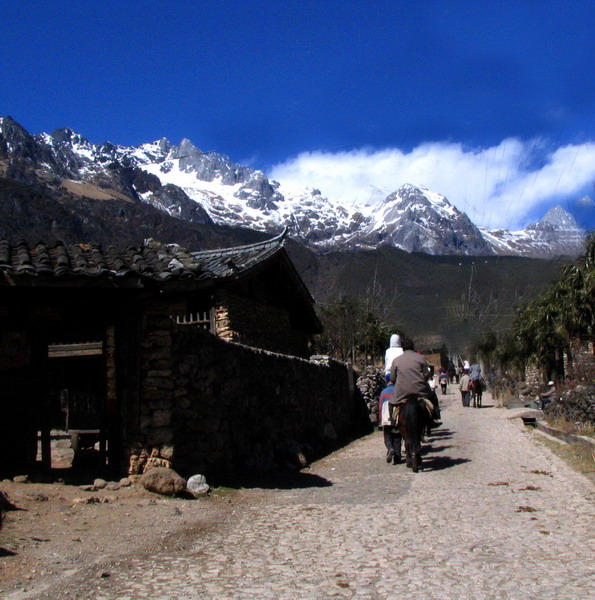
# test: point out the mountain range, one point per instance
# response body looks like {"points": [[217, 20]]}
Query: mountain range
{"points": [[130, 190], [439, 275]]}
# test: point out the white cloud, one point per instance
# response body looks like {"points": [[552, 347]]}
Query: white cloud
{"points": [[586, 202], [497, 186]]}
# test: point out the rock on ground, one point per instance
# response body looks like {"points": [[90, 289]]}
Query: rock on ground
{"points": [[164, 481]]}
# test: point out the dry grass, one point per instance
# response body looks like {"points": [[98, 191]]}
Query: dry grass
{"points": [[579, 457], [586, 429], [89, 190]]}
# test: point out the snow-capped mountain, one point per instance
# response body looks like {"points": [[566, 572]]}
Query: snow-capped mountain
{"points": [[418, 220], [208, 188], [556, 234]]}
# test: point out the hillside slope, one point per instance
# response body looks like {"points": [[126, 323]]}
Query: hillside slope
{"points": [[432, 298]]}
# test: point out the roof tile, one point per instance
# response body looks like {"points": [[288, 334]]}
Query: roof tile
{"points": [[159, 262]]}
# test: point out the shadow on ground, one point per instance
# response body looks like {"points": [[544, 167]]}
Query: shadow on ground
{"points": [[439, 463], [440, 434], [434, 449], [431, 449]]}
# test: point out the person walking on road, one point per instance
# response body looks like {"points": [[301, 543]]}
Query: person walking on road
{"points": [[464, 384], [390, 431], [443, 380]]}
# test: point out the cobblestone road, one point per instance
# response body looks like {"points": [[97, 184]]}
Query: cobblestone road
{"points": [[493, 515]]}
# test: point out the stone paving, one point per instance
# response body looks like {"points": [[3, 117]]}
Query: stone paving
{"points": [[493, 515]]}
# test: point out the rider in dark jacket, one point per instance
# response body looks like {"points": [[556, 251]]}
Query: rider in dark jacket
{"points": [[410, 373]]}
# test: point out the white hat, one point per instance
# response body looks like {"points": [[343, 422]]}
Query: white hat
{"points": [[551, 383]]}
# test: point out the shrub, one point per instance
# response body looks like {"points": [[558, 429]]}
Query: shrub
{"points": [[575, 405]]}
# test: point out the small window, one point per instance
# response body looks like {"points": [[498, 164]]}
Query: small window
{"points": [[201, 319], [71, 350]]}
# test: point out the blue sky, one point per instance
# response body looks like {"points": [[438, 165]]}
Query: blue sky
{"points": [[491, 104]]}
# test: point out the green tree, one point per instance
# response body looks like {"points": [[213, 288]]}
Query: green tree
{"points": [[353, 331], [545, 328]]}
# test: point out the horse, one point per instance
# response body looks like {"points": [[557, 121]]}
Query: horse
{"points": [[413, 421], [476, 387]]}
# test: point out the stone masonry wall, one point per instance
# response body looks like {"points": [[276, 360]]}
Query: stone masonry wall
{"points": [[582, 369], [209, 406], [155, 433], [262, 326]]}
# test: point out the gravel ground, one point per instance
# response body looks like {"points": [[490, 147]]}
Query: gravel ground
{"points": [[493, 515], [61, 530]]}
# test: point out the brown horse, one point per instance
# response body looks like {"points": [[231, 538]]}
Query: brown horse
{"points": [[476, 388], [413, 420]]}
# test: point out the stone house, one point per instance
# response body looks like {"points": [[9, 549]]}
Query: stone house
{"points": [[436, 356], [96, 342]]}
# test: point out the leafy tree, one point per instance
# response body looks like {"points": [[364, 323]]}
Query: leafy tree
{"points": [[545, 328], [353, 331], [487, 347], [340, 321]]}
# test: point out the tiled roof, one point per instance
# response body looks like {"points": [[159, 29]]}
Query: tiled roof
{"points": [[155, 261], [230, 261]]}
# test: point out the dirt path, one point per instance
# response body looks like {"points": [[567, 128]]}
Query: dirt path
{"points": [[494, 515]]}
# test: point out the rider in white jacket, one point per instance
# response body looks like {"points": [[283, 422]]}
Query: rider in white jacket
{"points": [[392, 352]]}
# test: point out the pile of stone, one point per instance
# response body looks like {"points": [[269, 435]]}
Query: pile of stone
{"points": [[321, 359], [165, 481], [576, 405], [370, 383], [143, 459]]}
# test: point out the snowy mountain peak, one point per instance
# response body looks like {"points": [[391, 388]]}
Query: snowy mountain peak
{"points": [[68, 136], [558, 217], [186, 147], [414, 219], [557, 234], [207, 187]]}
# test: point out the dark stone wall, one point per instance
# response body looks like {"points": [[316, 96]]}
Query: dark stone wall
{"points": [[214, 407], [239, 408], [249, 322]]}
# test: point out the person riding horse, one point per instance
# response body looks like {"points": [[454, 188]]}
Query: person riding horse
{"points": [[394, 349], [474, 372], [475, 383], [390, 430], [410, 373]]}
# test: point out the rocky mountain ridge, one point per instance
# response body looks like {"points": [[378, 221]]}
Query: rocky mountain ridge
{"points": [[208, 189]]}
